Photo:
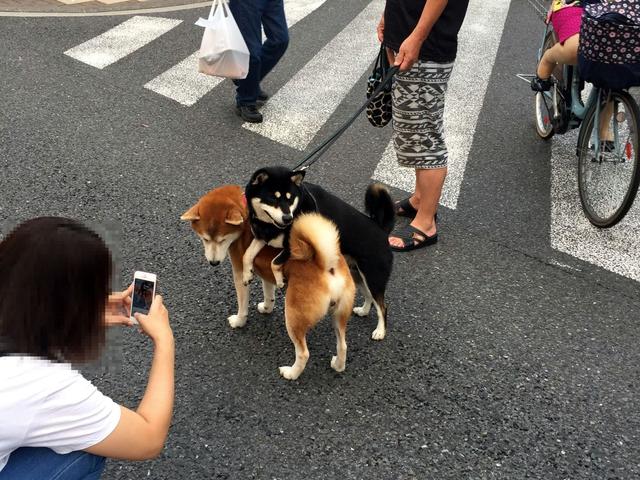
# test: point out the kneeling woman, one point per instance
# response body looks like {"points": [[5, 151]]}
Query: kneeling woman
{"points": [[54, 309]]}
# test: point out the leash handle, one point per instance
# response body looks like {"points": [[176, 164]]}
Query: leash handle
{"points": [[324, 146]]}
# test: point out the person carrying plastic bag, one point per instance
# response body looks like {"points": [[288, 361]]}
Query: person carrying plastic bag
{"points": [[223, 52], [253, 16]]}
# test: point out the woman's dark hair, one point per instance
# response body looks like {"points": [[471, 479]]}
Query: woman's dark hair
{"points": [[54, 282]]}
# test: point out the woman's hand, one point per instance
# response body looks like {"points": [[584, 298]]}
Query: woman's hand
{"points": [[380, 30], [118, 307], [409, 52], [141, 435], [156, 322]]}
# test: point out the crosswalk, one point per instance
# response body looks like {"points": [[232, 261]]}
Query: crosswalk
{"points": [[297, 112], [121, 41], [184, 84]]}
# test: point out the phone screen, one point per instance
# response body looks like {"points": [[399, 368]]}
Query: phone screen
{"points": [[142, 296]]}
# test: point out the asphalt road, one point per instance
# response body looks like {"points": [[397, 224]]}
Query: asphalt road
{"points": [[505, 358]]}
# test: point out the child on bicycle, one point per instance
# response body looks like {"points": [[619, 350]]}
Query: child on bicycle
{"points": [[566, 17]]}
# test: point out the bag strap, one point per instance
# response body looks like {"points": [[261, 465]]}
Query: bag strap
{"points": [[382, 61], [317, 152], [377, 65], [214, 5]]}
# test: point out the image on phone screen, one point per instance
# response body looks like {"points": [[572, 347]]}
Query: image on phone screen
{"points": [[142, 296]]}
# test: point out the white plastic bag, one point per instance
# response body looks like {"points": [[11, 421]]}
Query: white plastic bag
{"points": [[223, 52]]}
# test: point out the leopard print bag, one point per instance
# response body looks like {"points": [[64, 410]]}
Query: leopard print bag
{"points": [[379, 107]]}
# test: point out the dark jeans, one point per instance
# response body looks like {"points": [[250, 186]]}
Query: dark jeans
{"points": [[251, 16], [45, 464]]}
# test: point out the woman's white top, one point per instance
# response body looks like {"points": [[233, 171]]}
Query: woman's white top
{"points": [[49, 404]]}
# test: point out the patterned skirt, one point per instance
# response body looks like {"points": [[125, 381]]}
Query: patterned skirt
{"points": [[418, 111]]}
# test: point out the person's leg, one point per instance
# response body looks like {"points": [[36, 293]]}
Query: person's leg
{"points": [[247, 14], [566, 54], [277, 33], [419, 138], [414, 199], [606, 129], [429, 183], [44, 464]]}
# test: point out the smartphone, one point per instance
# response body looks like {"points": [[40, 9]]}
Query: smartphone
{"points": [[144, 289]]}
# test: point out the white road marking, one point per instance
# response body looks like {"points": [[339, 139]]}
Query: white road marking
{"points": [[478, 44], [109, 13], [616, 249], [121, 40], [302, 106], [184, 84]]}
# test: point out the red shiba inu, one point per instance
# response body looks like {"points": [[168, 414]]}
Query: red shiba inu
{"points": [[220, 220], [319, 282]]}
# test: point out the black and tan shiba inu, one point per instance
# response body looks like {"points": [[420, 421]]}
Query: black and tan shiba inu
{"points": [[276, 195]]}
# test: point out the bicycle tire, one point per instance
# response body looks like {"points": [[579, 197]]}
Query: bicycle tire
{"points": [[583, 149], [541, 119], [544, 125]]}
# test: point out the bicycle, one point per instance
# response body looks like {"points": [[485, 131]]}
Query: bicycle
{"points": [[608, 156]]}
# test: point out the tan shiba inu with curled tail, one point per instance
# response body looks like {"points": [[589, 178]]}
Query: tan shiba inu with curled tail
{"points": [[316, 262]]}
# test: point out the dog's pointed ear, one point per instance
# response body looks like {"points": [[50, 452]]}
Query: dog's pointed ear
{"points": [[259, 177], [234, 217], [297, 177], [192, 214]]}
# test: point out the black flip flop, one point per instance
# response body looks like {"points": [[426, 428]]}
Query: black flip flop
{"points": [[409, 241], [405, 209]]}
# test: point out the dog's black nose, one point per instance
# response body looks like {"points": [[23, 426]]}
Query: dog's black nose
{"points": [[214, 263], [287, 218]]}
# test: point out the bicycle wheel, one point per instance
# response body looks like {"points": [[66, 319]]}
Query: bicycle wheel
{"points": [[543, 101], [544, 112], [608, 180]]}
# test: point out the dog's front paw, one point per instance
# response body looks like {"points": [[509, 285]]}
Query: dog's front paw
{"points": [[379, 333], [237, 321], [337, 365], [247, 276], [361, 311], [264, 307], [288, 373]]}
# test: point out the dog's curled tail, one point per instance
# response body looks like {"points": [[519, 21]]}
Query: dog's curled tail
{"points": [[379, 206], [315, 237]]}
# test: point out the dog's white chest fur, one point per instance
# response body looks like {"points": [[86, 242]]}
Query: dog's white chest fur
{"points": [[277, 242]]}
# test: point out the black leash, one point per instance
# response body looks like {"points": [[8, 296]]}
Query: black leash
{"points": [[324, 146]]}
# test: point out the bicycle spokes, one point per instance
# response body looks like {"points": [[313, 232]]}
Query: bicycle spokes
{"points": [[608, 161]]}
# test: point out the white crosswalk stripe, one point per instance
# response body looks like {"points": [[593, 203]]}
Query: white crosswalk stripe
{"points": [[184, 84], [121, 40], [616, 249], [301, 107], [478, 45]]}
